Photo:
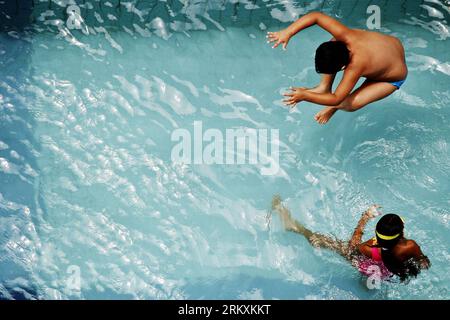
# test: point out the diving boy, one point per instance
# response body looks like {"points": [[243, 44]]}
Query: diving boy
{"points": [[377, 57]]}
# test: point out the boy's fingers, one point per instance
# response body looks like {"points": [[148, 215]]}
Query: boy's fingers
{"points": [[289, 102], [288, 94]]}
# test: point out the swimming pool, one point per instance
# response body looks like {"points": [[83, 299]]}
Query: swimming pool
{"points": [[93, 207]]}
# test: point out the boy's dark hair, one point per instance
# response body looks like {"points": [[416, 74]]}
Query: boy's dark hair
{"points": [[331, 56]]}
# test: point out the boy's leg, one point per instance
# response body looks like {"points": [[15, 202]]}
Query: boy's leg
{"points": [[326, 84], [317, 240], [370, 91]]}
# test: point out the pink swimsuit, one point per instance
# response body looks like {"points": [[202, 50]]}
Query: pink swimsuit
{"points": [[374, 265]]}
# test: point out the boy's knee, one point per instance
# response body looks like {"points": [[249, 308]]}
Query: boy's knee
{"points": [[352, 104], [357, 103], [348, 107]]}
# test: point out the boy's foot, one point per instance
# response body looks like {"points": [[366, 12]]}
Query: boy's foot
{"points": [[325, 114]]}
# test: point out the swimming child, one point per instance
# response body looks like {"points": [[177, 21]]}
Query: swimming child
{"points": [[389, 251], [378, 58]]}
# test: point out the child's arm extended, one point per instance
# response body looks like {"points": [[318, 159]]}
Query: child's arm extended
{"points": [[337, 29], [356, 239]]}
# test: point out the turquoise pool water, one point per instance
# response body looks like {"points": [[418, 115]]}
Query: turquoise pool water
{"points": [[88, 186]]}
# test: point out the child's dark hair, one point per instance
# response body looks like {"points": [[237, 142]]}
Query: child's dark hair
{"points": [[331, 56], [389, 231]]}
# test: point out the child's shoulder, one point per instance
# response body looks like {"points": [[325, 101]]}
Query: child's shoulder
{"points": [[407, 247]]}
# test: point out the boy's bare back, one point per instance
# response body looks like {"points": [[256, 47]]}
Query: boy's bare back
{"points": [[385, 53]]}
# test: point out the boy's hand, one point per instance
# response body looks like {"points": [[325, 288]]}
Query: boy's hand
{"points": [[295, 96], [279, 37]]}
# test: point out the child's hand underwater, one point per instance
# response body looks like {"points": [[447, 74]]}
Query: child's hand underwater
{"points": [[280, 37]]}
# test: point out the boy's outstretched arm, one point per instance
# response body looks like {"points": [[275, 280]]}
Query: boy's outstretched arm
{"points": [[337, 29]]}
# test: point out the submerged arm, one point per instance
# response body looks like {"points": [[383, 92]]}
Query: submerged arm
{"points": [[419, 256]]}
